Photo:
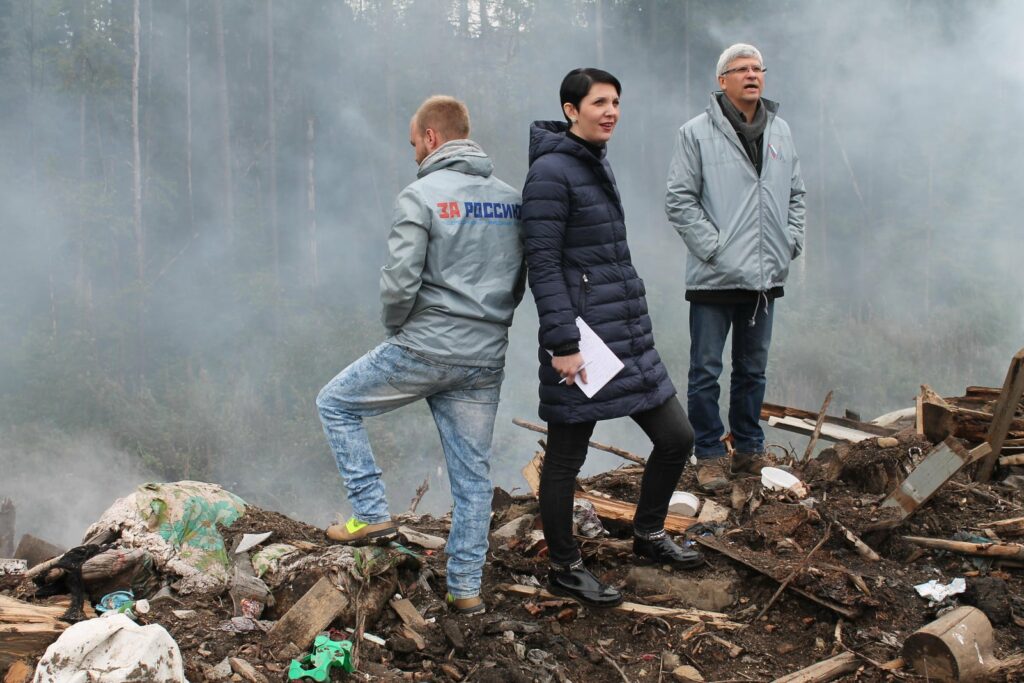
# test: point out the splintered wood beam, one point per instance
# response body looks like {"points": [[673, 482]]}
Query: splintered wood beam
{"points": [[619, 511], [1002, 416], [1006, 551], [717, 619], [938, 467], [823, 671], [965, 418], [593, 444], [26, 629]]}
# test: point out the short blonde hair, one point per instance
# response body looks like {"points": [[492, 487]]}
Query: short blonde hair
{"points": [[447, 116]]}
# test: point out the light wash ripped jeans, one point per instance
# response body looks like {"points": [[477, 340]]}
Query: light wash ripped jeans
{"points": [[463, 400]]}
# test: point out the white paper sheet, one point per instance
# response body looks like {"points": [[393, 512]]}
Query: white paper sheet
{"points": [[599, 361]]}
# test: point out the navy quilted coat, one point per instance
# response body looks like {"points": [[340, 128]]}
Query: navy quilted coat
{"points": [[579, 264]]}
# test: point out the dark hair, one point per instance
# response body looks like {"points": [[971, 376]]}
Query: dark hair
{"points": [[577, 84]]}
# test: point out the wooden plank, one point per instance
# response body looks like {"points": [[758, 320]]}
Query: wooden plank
{"points": [[829, 432], [941, 463], [919, 415], [720, 547], [1002, 416], [7, 516], [717, 619], [36, 550], [619, 511], [412, 635], [26, 629], [14, 611], [1013, 526], [407, 612], [313, 612], [531, 473], [19, 672], [769, 410], [823, 671]]}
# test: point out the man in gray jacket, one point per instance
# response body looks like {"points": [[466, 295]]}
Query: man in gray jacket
{"points": [[452, 280], [736, 197]]}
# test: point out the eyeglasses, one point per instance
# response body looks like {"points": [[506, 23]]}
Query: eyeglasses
{"points": [[743, 69]]}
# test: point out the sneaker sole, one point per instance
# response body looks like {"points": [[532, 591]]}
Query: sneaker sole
{"points": [[565, 593], [468, 611], [381, 537]]}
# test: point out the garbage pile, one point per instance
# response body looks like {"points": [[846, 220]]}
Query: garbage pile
{"points": [[881, 556]]}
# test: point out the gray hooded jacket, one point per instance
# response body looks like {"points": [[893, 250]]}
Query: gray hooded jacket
{"points": [[455, 272], [741, 230]]}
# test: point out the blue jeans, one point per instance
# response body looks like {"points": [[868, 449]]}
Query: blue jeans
{"points": [[709, 326], [463, 401]]}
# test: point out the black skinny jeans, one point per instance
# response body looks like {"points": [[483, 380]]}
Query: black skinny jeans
{"points": [[668, 428]]}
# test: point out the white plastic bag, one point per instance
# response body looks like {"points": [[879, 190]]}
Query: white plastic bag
{"points": [[112, 649]]}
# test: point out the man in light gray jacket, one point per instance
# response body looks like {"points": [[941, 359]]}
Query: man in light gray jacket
{"points": [[736, 197], [452, 280]]}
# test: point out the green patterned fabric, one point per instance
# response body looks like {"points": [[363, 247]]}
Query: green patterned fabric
{"points": [[188, 515]]}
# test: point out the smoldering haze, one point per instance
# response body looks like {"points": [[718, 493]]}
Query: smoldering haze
{"points": [[903, 115]]}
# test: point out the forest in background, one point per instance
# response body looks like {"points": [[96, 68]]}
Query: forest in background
{"points": [[195, 197]]}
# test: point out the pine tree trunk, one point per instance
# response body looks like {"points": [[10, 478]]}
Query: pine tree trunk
{"points": [[272, 143], [188, 118], [485, 21], [311, 200], [225, 121], [140, 251]]}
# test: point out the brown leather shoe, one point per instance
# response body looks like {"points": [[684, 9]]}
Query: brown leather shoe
{"points": [[466, 606], [357, 533], [713, 474], [745, 462]]}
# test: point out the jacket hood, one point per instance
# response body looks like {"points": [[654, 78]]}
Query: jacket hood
{"points": [[550, 136], [464, 156]]}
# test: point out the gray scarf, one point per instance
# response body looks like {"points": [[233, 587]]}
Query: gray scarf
{"points": [[452, 148], [750, 131]]}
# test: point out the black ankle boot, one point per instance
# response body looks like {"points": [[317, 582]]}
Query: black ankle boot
{"points": [[658, 548], [576, 582]]}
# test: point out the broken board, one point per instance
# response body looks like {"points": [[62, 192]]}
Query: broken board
{"points": [[313, 612], [941, 463], [619, 511]]}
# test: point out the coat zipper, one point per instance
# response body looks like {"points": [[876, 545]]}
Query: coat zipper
{"points": [[584, 290]]}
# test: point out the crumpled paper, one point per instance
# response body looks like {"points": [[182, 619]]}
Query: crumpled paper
{"points": [[937, 592]]}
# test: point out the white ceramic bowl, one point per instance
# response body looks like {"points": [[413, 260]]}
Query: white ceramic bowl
{"points": [[780, 480], [684, 503]]}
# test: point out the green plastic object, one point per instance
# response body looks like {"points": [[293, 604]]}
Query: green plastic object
{"points": [[326, 654]]}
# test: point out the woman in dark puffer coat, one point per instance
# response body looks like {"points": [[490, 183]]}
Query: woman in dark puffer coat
{"points": [[579, 265]]}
